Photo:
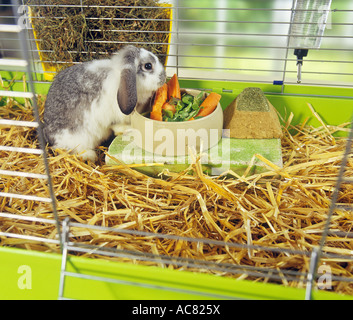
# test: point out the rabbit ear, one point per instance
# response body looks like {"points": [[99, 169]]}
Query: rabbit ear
{"points": [[127, 92]]}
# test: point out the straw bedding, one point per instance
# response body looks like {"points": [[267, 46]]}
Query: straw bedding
{"points": [[285, 208]]}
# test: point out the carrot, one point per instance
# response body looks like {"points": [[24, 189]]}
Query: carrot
{"points": [[159, 101], [174, 88], [209, 104], [168, 106]]}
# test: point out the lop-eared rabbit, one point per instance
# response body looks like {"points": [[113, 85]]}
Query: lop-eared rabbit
{"points": [[87, 101]]}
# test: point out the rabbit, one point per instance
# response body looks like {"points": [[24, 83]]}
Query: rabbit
{"points": [[88, 101]]}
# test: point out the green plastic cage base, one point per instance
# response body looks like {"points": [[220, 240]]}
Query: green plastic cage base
{"points": [[285, 98], [36, 276]]}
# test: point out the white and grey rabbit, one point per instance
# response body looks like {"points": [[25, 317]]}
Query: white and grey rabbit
{"points": [[87, 101]]}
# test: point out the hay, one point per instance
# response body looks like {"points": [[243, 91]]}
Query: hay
{"points": [[283, 208], [70, 33]]}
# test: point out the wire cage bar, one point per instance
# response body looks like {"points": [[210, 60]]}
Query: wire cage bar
{"points": [[41, 151], [223, 45]]}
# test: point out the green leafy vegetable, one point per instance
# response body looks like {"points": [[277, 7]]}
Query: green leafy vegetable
{"points": [[186, 108]]}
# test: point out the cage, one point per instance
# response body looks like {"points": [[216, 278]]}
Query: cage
{"points": [[74, 230]]}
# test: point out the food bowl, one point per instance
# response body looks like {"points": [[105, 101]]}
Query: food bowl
{"points": [[178, 138]]}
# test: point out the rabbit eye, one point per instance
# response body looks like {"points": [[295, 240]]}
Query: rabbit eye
{"points": [[148, 66]]}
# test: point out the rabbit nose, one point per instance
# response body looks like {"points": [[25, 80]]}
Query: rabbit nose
{"points": [[162, 78]]}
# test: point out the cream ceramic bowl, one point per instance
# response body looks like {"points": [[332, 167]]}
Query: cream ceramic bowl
{"points": [[177, 138]]}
